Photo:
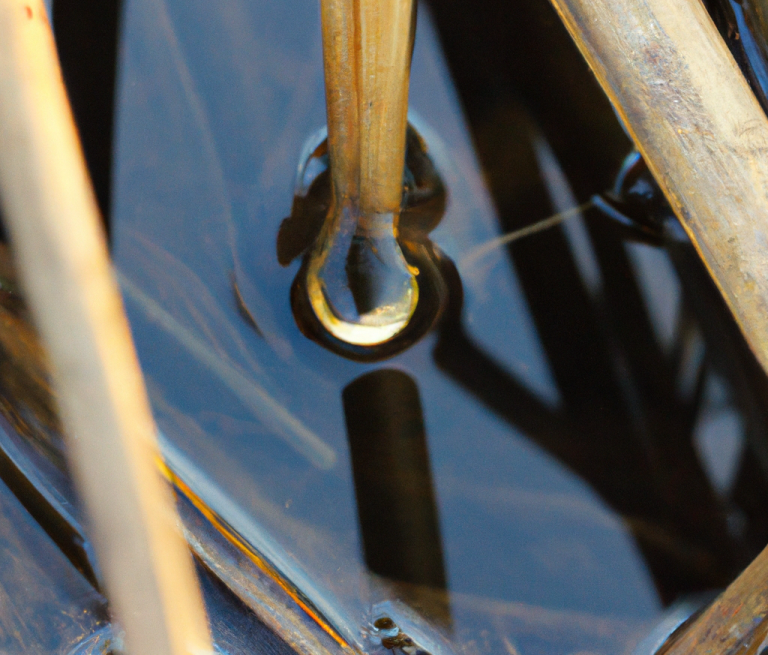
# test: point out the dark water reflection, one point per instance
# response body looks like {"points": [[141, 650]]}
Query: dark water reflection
{"points": [[586, 449], [393, 479]]}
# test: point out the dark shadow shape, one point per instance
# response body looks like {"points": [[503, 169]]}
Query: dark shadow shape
{"points": [[242, 306], [87, 35], [653, 479], [393, 482], [621, 423]]}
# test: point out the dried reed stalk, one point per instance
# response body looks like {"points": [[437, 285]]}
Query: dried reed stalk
{"points": [[56, 236]]}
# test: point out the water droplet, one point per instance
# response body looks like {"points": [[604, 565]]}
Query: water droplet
{"points": [[386, 628], [360, 286], [371, 283]]}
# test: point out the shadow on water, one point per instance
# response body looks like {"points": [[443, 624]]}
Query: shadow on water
{"points": [[393, 481], [624, 424], [396, 505]]}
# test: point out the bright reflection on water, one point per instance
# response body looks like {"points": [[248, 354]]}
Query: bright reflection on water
{"points": [[216, 102]]}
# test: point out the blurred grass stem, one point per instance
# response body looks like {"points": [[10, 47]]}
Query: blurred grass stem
{"points": [[56, 235]]}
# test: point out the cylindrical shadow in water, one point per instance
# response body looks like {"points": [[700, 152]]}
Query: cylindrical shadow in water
{"points": [[393, 483]]}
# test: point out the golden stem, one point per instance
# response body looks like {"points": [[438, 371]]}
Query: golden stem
{"points": [[367, 47]]}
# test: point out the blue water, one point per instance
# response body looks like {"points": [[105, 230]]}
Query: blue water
{"points": [[216, 101]]}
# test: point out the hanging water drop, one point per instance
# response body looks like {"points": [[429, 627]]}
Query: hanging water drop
{"points": [[371, 284], [360, 286], [364, 290]]}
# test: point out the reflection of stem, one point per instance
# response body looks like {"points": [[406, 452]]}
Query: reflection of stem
{"points": [[242, 307], [272, 413], [489, 246]]}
